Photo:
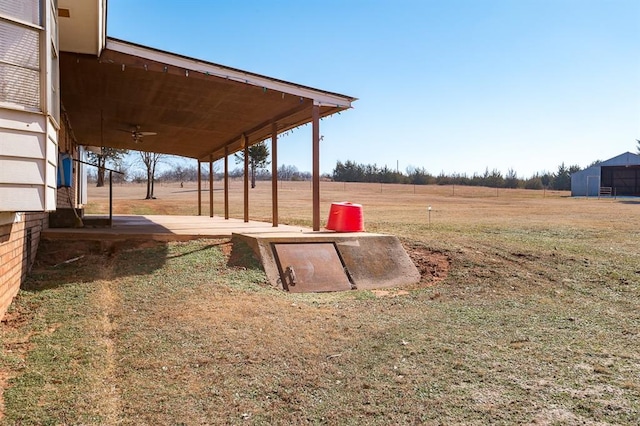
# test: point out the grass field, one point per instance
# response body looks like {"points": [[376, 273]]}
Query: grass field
{"points": [[528, 313]]}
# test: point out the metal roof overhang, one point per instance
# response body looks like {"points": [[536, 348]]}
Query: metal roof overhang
{"points": [[197, 108]]}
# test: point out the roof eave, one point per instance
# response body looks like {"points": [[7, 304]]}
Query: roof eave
{"points": [[319, 97]]}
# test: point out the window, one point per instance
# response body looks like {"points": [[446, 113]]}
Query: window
{"points": [[20, 30], [23, 10]]}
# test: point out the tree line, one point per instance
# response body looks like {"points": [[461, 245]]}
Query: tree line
{"points": [[348, 171], [180, 173], [351, 171]]}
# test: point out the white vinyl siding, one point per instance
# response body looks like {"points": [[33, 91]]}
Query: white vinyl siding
{"points": [[22, 198], [22, 171], [51, 181], [29, 105], [20, 144]]}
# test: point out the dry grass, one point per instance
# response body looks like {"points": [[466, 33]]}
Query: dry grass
{"points": [[534, 321]]}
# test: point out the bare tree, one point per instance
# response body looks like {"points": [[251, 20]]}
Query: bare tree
{"points": [[287, 172], [113, 155], [150, 161]]}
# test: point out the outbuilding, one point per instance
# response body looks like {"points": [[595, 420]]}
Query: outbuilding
{"points": [[618, 176]]}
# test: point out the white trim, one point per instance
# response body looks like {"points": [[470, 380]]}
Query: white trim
{"points": [[319, 97], [102, 25], [21, 22], [45, 63], [82, 178], [14, 64], [18, 107], [325, 104], [14, 118]]}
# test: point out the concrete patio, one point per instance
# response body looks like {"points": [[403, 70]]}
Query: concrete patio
{"points": [[167, 228]]}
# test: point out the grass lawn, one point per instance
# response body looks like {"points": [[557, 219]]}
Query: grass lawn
{"points": [[528, 312]]}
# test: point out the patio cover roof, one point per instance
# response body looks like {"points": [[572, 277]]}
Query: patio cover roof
{"points": [[197, 108]]}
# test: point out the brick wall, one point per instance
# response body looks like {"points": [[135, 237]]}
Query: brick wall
{"points": [[18, 246]]}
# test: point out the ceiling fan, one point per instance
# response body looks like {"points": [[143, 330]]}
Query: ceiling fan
{"points": [[137, 134]]}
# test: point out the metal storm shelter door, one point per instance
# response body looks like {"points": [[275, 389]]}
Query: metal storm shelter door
{"points": [[311, 267]]}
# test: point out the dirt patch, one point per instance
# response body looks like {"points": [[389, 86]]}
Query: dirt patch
{"points": [[109, 400], [14, 339], [14, 342], [14, 319], [433, 266], [389, 293], [240, 255], [59, 252], [226, 249], [55, 252]]}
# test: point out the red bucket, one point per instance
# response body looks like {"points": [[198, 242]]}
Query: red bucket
{"points": [[345, 217]]}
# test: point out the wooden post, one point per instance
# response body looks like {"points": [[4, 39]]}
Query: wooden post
{"points": [[211, 186], [274, 174], [226, 182], [199, 188], [245, 143], [110, 199], [315, 114]]}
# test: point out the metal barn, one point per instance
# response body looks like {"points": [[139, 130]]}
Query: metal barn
{"points": [[618, 176]]}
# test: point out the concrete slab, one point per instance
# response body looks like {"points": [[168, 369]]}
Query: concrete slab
{"points": [[167, 228], [372, 260]]}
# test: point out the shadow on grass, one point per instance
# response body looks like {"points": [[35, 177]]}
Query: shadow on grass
{"points": [[205, 248], [242, 255], [59, 263]]}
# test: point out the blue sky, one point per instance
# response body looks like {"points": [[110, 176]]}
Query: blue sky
{"points": [[453, 86]]}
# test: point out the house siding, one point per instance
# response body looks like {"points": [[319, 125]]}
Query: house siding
{"points": [[29, 106], [20, 233], [23, 161]]}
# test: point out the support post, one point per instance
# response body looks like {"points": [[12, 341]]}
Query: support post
{"points": [[199, 188], [110, 199], [245, 144], [315, 114], [226, 182], [274, 174], [211, 186]]}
